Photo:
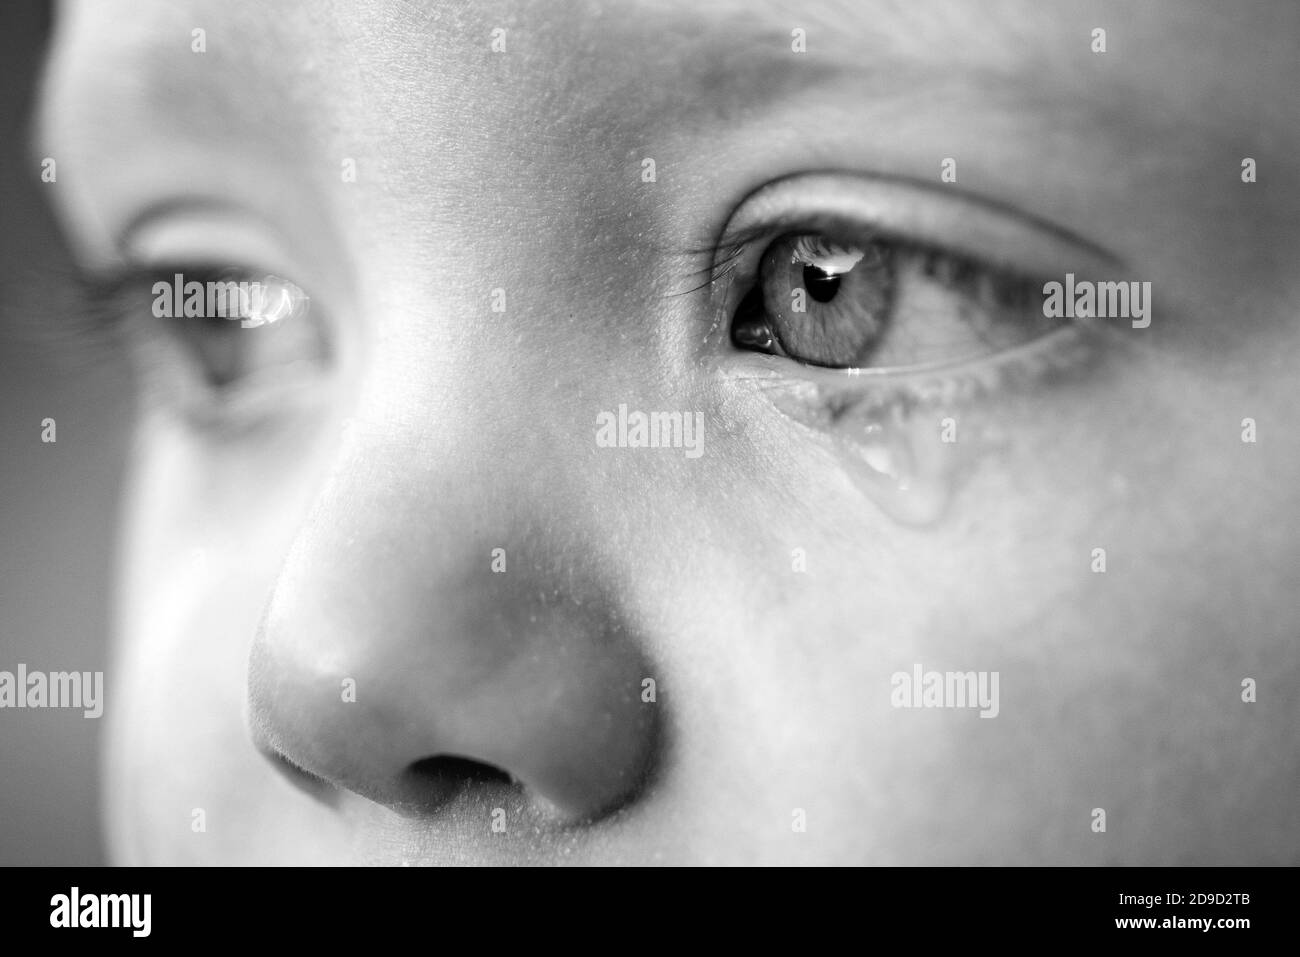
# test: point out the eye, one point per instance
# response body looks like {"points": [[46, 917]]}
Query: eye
{"points": [[881, 304], [224, 346], [236, 325], [895, 280]]}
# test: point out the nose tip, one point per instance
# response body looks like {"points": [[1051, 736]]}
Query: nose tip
{"points": [[411, 720]]}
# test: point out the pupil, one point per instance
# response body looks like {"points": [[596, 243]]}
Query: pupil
{"points": [[821, 285]]}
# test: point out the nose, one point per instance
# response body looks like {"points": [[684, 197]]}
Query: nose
{"points": [[409, 631]]}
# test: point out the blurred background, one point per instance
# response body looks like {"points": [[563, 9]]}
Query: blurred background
{"points": [[58, 502]]}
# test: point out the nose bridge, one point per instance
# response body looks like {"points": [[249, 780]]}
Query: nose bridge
{"points": [[418, 616]]}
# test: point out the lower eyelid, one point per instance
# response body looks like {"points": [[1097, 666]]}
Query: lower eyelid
{"points": [[218, 413], [822, 396]]}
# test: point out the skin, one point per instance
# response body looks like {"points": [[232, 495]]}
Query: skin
{"points": [[349, 533]]}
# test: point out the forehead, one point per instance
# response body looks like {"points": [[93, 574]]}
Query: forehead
{"points": [[416, 94], [673, 40], [432, 67]]}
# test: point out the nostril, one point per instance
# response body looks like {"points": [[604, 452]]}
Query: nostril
{"points": [[446, 769], [430, 783]]}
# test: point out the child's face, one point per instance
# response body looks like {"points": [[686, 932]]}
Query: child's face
{"points": [[310, 562]]}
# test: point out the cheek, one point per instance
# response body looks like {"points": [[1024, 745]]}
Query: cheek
{"points": [[202, 533], [1094, 653], [1117, 667]]}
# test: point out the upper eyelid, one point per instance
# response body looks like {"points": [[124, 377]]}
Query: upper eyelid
{"points": [[163, 210], [198, 231], [1042, 248]]}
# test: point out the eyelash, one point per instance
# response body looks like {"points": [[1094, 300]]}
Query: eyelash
{"points": [[104, 297], [720, 258]]}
